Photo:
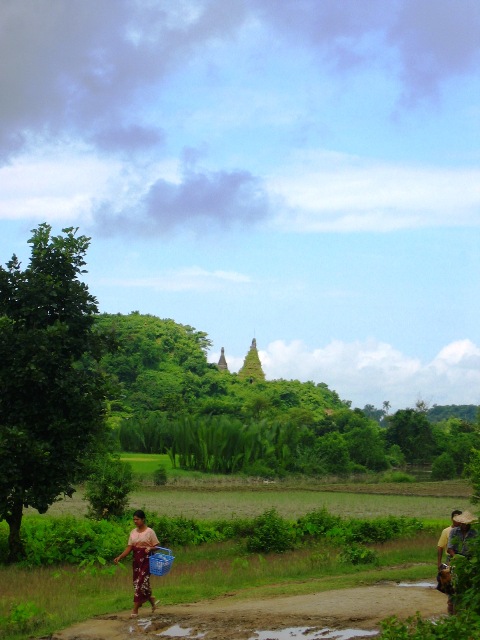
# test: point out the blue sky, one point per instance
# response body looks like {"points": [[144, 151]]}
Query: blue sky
{"points": [[305, 172]]}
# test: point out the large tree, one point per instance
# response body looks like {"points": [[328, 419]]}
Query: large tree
{"points": [[51, 388]]}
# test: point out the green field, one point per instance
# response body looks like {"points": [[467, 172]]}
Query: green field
{"points": [[207, 497]]}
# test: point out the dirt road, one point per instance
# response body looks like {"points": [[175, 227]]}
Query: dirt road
{"points": [[228, 619]]}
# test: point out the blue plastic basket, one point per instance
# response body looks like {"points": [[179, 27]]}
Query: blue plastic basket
{"points": [[161, 561]]}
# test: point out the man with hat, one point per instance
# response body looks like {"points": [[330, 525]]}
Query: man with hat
{"points": [[458, 543], [461, 534], [443, 540]]}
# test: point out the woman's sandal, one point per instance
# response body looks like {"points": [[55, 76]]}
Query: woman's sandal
{"points": [[134, 615]]}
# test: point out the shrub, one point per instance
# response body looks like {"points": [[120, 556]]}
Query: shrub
{"points": [[108, 487], [462, 625], [68, 540], [24, 618], [444, 468], [271, 533], [382, 529], [160, 476], [316, 523], [358, 554]]}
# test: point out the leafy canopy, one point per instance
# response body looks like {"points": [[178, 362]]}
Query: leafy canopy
{"points": [[51, 388]]}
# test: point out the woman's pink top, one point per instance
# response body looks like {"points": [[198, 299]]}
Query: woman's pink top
{"points": [[143, 539]]}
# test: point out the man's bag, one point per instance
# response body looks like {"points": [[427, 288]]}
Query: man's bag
{"points": [[444, 581]]}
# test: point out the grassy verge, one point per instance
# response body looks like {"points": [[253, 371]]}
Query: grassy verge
{"points": [[53, 598]]}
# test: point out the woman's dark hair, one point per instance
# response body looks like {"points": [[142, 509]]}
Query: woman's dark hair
{"points": [[140, 514]]}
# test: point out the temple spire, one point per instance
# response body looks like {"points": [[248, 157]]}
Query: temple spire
{"points": [[252, 367], [222, 363]]}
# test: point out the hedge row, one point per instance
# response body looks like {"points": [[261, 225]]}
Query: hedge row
{"points": [[69, 540]]}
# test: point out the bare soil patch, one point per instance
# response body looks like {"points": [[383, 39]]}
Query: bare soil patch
{"points": [[229, 618]]}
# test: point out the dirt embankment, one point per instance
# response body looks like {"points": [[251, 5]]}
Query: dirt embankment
{"points": [[229, 619]]}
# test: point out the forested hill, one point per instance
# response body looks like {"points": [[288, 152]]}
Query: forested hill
{"points": [[160, 365], [166, 398], [467, 412]]}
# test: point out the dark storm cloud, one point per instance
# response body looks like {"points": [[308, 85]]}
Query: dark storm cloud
{"points": [[79, 66], [82, 67], [202, 201]]}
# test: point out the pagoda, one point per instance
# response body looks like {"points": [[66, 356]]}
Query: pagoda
{"points": [[252, 367], [222, 363]]}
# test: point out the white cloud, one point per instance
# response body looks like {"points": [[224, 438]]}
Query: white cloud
{"points": [[64, 183], [371, 372], [186, 279], [327, 191]]}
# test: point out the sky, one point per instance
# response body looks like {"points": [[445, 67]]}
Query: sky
{"points": [[301, 172]]}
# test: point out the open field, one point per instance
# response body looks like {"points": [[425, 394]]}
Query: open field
{"points": [[428, 500]]}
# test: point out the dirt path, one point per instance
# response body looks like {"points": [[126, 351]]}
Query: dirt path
{"points": [[228, 619]]}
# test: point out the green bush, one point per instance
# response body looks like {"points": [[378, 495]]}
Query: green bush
{"points": [[316, 523], [69, 540], [358, 554], [444, 467], [271, 534], [108, 488], [382, 529], [160, 476], [463, 625], [24, 618]]}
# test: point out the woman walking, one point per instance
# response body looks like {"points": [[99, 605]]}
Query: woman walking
{"points": [[141, 541]]}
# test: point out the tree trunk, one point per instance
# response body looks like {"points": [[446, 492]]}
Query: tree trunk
{"points": [[16, 550]]}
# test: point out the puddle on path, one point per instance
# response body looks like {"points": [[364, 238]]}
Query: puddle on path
{"points": [[179, 632], [305, 633], [424, 585]]}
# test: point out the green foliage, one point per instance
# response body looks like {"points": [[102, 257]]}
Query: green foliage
{"points": [[316, 523], [366, 446], [145, 432], [464, 625], [465, 412], [358, 554], [160, 476], [93, 543], [381, 529], [271, 534], [332, 453], [108, 487], [52, 391], [411, 430], [444, 468], [24, 617], [69, 540], [472, 472]]}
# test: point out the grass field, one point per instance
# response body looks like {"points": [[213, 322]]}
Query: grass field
{"points": [[208, 497], [202, 504]]}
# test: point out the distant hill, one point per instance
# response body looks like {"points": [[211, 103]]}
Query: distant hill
{"points": [[467, 412]]}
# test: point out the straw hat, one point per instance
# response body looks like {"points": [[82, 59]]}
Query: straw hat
{"points": [[465, 518]]}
